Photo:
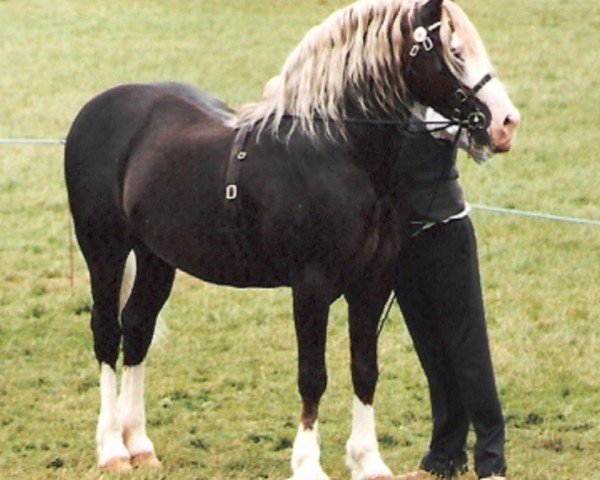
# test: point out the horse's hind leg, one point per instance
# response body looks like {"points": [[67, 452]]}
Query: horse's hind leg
{"points": [[365, 306], [152, 286], [106, 269]]}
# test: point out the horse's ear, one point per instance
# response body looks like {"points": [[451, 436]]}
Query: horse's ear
{"points": [[433, 9]]}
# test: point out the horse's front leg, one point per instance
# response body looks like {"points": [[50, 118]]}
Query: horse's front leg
{"points": [[311, 309], [362, 451]]}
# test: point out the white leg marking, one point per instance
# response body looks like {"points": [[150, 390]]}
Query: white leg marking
{"points": [[132, 412], [306, 454], [109, 432], [362, 450]]}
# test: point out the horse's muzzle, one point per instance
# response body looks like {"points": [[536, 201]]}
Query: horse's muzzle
{"points": [[502, 136]]}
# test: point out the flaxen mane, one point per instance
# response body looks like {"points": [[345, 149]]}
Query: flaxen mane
{"points": [[355, 54]]}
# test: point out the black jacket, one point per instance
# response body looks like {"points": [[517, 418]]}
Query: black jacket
{"points": [[428, 166]]}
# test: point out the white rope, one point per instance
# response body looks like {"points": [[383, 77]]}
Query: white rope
{"points": [[537, 215], [32, 141]]}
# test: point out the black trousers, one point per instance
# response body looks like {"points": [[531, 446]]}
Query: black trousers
{"points": [[439, 291]]}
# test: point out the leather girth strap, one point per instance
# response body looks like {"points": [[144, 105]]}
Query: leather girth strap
{"points": [[233, 214], [233, 221]]}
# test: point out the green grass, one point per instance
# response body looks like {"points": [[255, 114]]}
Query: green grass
{"points": [[222, 399]]}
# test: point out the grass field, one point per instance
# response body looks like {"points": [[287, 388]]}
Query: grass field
{"points": [[222, 399]]}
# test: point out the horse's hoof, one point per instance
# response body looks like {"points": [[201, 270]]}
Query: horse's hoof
{"points": [[420, 475], [117, 465], [145, 460]]}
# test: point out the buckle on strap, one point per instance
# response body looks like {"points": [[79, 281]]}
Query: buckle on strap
{"points": [[237, 155], [231, 191]]}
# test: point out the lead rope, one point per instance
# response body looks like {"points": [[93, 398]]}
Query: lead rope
{"points": [[386, 313], [390, 302]]}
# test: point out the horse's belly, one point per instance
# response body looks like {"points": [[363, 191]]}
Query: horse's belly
{"points": [[222, 257], [237, 272]]}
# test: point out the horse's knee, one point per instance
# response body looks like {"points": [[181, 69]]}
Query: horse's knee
{"points": [[312, 382]]}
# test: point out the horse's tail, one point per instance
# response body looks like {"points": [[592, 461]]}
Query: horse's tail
{"points": [[161, 331]]}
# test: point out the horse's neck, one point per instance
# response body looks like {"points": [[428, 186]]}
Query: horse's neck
{"points": [[377, 150]]}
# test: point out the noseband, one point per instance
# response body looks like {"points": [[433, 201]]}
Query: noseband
{"points": [[466, 114], [472, 119]]}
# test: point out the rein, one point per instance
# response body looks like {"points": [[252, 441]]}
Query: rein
{"points": [[439, 125]]}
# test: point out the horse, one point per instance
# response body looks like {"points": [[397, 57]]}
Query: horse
{"points": [[300, 190]]}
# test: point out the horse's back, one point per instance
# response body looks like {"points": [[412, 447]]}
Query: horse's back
{"points": [[109, 122]]}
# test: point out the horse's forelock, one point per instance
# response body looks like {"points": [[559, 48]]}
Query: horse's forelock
{"points": [[464, 28]]}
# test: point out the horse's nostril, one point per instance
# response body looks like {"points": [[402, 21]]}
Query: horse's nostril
{"points": [[512, 120]]}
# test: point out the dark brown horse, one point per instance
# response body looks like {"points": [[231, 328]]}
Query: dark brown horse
{"points": [[299, 190]]}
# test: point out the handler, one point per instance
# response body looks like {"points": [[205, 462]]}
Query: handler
{"points": [[438, 288]]}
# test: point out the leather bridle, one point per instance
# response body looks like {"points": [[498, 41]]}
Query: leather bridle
{"points": [[469, 113]]}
